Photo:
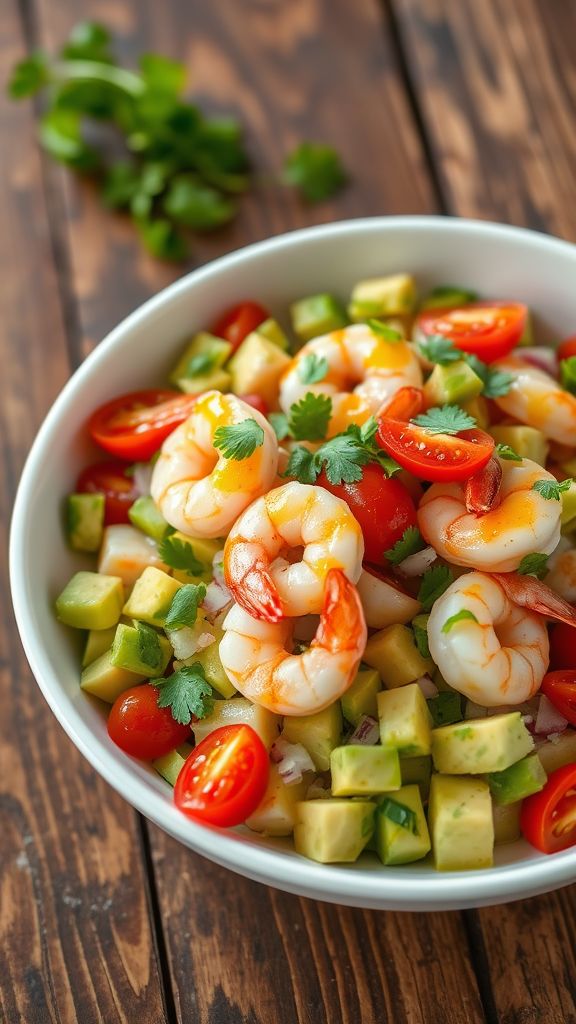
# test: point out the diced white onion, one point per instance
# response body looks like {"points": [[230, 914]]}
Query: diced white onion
{"points": [[366, 733], [142, 477], [189, 640], [548, 720], [428, 686], [218, 568], [215, 600], [417, 564], [292, 760], [544, 358]]}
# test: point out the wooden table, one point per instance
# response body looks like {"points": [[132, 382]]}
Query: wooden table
{"points": [[464, 107]]}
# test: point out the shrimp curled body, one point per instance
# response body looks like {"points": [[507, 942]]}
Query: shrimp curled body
{"points": [[256, 660], [499, 659], [197, 490], [537, 399]]}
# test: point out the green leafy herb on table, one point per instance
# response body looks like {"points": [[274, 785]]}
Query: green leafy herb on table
{"points": [[315, 169]]}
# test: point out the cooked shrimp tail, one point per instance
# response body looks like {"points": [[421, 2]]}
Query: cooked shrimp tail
{"points": [[482, 491], [342, 618], [250, 578], [528, 592]]}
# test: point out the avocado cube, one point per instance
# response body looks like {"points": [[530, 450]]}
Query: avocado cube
{"points": [[568, 499], [562, 751], [276, 812], [506, 821], [360, 698], [333, 831], [91, 600], [479, 410], [319, 733], [382, 296], [237, 712], [362, 770], [98, 642], [460, 822], [145, 515], [85, 521], [452, 385], [203, 354], [447, 296], [316, 315], [209, 659], [405, 723], [152, 596], [256, 368], [216, 380], [519, 780], [527, 442], [140, 650], [272, 331], [170, 765], [107, 681], [393, 653], [401, 838], [417, 771], [481, 745], [201, 548]]}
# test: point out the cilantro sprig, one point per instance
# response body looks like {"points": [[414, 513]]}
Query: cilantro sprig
{"points": [[316, 170], [179, 554], [446, 419], [184, 608], [240, 440], [438, 349], [552, 490], [342, 457], [187, 693], [434, 582], [410, 542], [149, 649], [508, 453], [463, 615], [307, 421], [535, 564], [384, 331], [312, 368]]}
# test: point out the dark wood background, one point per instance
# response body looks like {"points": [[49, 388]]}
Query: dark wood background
{"points": [[466, 107]]}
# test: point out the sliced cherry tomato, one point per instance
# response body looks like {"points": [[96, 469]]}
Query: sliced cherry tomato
{"points": [[489, 330], [225, 777], [256, 402], [405, 404], [140, 728], [560, 688], [113, 481], [548, 818], [562, 646], [381, 505], [566, 348], [134, 426], [236, 323], [443, 457]]}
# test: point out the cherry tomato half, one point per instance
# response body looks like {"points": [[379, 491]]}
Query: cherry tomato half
{"points": [[112, 480], [381, 505], [442, 457], [562, 646], [566, 348], [225, 777], [489, 330], [548, 818], [560, 688], [134, 426], [140, 728], [405, 404], [256, 402], [236, 323]]}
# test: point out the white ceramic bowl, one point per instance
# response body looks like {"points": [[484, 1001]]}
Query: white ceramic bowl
{"points": [[497, 261]]}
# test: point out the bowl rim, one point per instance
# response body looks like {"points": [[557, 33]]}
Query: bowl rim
{"points": [[391, 888]]}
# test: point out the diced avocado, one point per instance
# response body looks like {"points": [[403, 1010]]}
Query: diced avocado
{"points": [[140, 650], [482, 745], [152, 596], [452, 384], [276, 812], [98, 642], [506, 820], [527, 442], [393, 653], [382, 296], [146, 516], [568, 499], [204, 549], [217, 380], [479, 410], [333, 831], [401, 829], [256, 368], [107, 681], [417, 771], [203, 354], [85, 521], [239, 711], [319, 733], [316, 315], [447, 296], [170, 766], [405, 723], [209, 659], [556, 754], [460, 822], [272, 331], [519, 780], [360, 698], [445, 709], [361, 770], [91, 600]]}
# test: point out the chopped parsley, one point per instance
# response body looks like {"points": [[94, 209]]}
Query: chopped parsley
{"points": [[552, 489], [184, 608], [187, 693], [434, 582], [410, 542], [312, 368], [506, 452], [179, 554], [460, 616], [448, 419], [240, 440], [385, 331], [535, 564]]}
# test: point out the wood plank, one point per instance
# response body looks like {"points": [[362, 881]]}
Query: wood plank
{"points": [[75, 937]]}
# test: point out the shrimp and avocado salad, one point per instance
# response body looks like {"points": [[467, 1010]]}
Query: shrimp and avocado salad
{"points": [[335, 572]]}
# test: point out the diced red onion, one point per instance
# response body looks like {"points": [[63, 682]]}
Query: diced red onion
{"points": [[216, 599], [549, 720], [544, 358], [292, 759], [428, 686], [366, 733], [142, 477], [417, 564]]}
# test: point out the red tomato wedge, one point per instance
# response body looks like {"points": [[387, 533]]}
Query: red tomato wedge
{"points": [[566, 348], [489, 330], [560, 688], [140, 728], [562, 646], [134, 426], [435, 457], [548, 818], [256, 402], [113, 481], [405, 404], [225, 777], [236, 323]]}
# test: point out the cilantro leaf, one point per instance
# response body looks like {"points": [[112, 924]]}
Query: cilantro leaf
{"points": [[434, 582], [309, 418], [410, 542], [438, 349], [197, 205], [184, 608], [162, 239], [187, 693], [367, 432], [534, 565], [552, 489], [302, 466], [421, 639], [460, 616], [445, 709], [568, 374], [316, 170], [342, 458], [29, 76], [202, 363], [506, 452], [179, 554], [149, 649], [399, 814], [449, 419], [496, 382], [88, 40], [385, 331], [312, 368], [239, 441], [279, 423]]}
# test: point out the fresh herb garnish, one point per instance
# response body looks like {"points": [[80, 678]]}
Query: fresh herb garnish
{"points": [[187, 693], [399, 814], [410, 542], [308, 419], [203, 363], [535, 564], [506, 452], [312, 368], [279, 423], [434, 582], [385, 331], [445, 709], [149, 649], [342, 457], [461, 616], [240, 440], [448, 419], [568, 374], [445, 294], [496, 382], [421, 639], [179, 554], [552, 489], [316, 170], [438, 349], [184, 608]]}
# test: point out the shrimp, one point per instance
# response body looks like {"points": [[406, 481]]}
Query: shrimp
{"points": [[197, 490], [359, 361], [537, 399], [266, 584], [256, 660], [497, 658], [497, 540]]}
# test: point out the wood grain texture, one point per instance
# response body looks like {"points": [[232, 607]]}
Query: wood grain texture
{"points": [[75, 937]]}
